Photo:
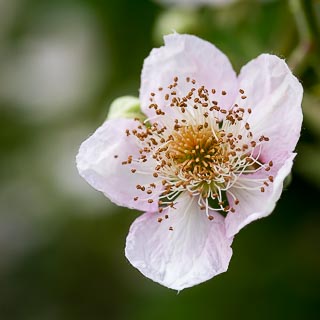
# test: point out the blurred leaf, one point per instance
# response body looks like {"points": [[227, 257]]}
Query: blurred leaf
{"points": [[175, 19], [307, 163], [311, 110]]}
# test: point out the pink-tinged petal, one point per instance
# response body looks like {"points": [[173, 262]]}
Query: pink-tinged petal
{"points": [[254, 204], [186, 56], [99, 162], [195, 250], [274, 94]]}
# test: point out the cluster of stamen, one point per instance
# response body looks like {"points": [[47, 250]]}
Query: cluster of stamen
{"points": [[194, 145]]}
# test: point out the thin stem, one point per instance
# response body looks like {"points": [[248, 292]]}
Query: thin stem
{"points": [[309, 37], [313, 26]]}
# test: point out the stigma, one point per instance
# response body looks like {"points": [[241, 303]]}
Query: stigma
{"points": [[193, 144]]}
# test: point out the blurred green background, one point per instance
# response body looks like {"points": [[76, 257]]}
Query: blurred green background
{"points": [[61, 242]]}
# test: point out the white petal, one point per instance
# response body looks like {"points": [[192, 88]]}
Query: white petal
{"points": [[254, 204], [97, 164], [195, 250], [186, 56], [274, 94]]}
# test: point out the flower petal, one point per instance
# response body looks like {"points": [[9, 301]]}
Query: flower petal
{"points": [[195, 250], [186, 56], [99, 162], [274, 94], [254, 204]]}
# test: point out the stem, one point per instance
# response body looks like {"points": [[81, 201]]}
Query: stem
{"points": [[308, 32], [311, 19]]}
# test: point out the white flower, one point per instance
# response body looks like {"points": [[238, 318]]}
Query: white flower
{"points": [[211, 157]]}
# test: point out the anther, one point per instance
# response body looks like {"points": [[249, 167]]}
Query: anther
{"points": [[198, 155], [245, 147]]}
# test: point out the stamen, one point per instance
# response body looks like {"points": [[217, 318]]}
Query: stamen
{"points": [[206, 149]]}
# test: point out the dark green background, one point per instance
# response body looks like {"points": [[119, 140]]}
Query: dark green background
{"points": [[62, 248]]}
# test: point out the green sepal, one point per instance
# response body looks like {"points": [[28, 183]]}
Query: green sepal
{"points": [[125, 107]]}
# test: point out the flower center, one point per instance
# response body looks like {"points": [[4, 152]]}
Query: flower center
{"points": [[195, 150], [194, 145]]}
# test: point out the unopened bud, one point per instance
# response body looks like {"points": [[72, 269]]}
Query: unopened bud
{"points": [[125, 107]]}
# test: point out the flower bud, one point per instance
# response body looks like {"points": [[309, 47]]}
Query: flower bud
{"points": [[125, 107]]}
